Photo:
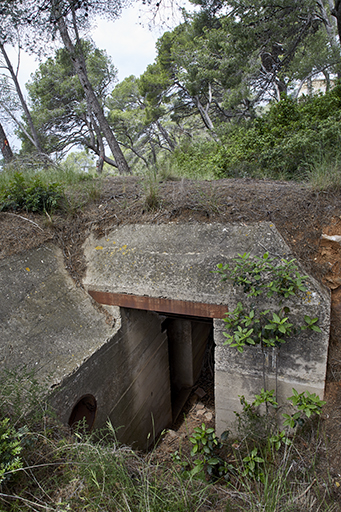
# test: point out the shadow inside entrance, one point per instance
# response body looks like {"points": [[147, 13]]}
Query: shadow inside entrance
{"points": [[188, 342]]}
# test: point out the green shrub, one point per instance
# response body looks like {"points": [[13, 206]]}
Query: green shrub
{"points": [[30, 194], [10, 449], [285, 141], [199, 160]]}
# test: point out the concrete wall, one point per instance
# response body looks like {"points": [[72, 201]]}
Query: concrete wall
{"points": [[47, 323], [129, 378], [78, 348], [300, 362]]}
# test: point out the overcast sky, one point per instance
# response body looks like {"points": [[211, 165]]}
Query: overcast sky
{"points": [[128, 41]]}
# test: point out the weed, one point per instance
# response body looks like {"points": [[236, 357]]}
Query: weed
{"points": [[324, 174], [22, 397], [258, 275], [307, 404], [252, 465], [77, 195], [249, 325], [151, 189], [205, 447], [10, 449], [208, 199]]}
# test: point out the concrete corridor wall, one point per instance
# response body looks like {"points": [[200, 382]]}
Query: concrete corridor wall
{"points": [[129, 378]]}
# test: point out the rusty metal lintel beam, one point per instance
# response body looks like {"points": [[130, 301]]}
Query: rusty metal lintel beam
{"points": [[177, 307]]}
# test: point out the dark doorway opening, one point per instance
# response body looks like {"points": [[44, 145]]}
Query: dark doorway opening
{"points": [[190, 343], [83, 414]]}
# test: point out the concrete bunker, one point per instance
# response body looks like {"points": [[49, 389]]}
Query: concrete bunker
{"points": [[167, 268], [164, 381], [188, 326], [109, 340]]}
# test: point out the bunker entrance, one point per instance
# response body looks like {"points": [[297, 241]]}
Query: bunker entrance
{"points": [[166, 342], [190, 352]]}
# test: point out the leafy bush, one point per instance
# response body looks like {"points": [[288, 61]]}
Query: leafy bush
{"points": [[200, 160], [284, 143], [286, 140], [38, 189], [10, 449], [31, 194], [248, 324]]}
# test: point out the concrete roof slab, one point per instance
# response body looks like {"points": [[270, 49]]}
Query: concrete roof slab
{"points": [[174, 261]]}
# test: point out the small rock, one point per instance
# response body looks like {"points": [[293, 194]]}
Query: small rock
{"points": [[172, 433], [201, 412], [332, 238], [200, 392], [200, 406], [208, 416]]}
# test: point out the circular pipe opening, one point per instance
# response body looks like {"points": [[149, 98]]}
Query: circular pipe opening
{"points": [[83, 414]]}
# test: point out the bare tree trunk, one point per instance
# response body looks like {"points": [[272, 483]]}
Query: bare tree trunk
{"points": [[328, 23], [204, 114], [336, 11], [5, 147], [34, 136], [166, 136], [80, 68], [100, 161]]}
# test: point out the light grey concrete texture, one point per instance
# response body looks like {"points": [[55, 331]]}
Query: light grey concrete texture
{"points": [[174, 260], [46, 322]]}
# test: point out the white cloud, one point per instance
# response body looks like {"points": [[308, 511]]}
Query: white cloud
{"points": [[130, 45]]}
